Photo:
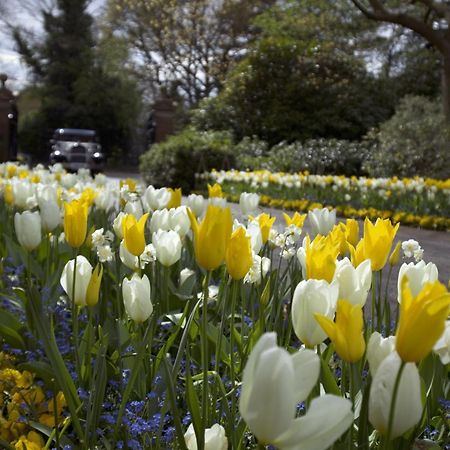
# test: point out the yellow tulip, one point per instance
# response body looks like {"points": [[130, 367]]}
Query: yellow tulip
{"points": [[211, 236], [238, 256], [357, 254], [337, 235], [130, 183], [347, 332], [352, 231], [265, 225], [378, 240], [133, 233], [8, 195], [422, 320], [296, 220], [321, 256], [88, 196], [395, 255], [175, 198], [215, 190], [75, 222], [93, 288]]}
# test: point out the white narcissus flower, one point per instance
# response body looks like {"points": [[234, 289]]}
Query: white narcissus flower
{"points": [[310, 297], [197, 203], [83, 276], [248, 202], [379, 348], [418, 274], [273, 383], [442, 346], [136, 298], [259, 269], [408, 405], [354, 284], [179, 220], [28, 229], [160, 220], [322, 221], [167, 246], [215, 438]]}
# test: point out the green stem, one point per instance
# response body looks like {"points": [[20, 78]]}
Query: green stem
{"points": [[75, 316], [234, 296], [393, 403], [204, 350]]}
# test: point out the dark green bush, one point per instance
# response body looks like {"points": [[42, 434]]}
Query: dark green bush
{"points": [[415, 141], [175, 162]]}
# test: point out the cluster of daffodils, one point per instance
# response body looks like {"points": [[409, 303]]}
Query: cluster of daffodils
{"points": [[164, 321], [412, 201]]}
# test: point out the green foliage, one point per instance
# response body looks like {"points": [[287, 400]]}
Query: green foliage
{"points": [[415, 141], [175, 162]]}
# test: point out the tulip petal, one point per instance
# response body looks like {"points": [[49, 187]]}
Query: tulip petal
{"points": [[306, 371], [327, 419]]}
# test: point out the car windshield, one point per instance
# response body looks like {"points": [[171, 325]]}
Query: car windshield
{"points": [[74, 137]]}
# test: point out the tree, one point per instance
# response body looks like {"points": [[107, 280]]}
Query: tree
{"points": [[428, 18], [76, 90], [185, 48]]}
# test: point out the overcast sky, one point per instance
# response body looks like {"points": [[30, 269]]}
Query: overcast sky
{"points": [[10, 62]]}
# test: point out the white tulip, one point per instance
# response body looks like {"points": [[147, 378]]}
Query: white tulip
{"points": [[215, 438], [105, 199], [442, 346], [273, 383], [322, 221], [156, 198], [254, 231], [135, 208], [83, 276], [185, 274], [354, 284], [23, 193], [218, 201], [160, 220], [197, 203], [310, 297], [179, 220], [248, 203], [408, 405], [378, 348], [50, 214], [117, 225], [127, 258], [417, 274], [136, 297], [167, 246], [28, 229]]}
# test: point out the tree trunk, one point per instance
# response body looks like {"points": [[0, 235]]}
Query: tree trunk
{"points": [[446, 84]]}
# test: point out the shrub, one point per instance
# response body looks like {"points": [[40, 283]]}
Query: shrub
{"points": [[414, 141], [175, 162]]}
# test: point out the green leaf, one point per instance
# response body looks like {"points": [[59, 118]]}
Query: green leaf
{"points": [[11, 337], [50, 432], [328, 380]]}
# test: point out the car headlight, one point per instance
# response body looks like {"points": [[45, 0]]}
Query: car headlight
{"points": [[97, 155], [56, 152]]}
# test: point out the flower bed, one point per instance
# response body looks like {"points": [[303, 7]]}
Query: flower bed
{"points": [[410, 201], [128, 320]]}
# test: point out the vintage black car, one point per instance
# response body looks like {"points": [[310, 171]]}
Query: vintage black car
{"points": [[77, 148]]}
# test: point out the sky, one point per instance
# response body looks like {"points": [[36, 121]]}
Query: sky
{"points": [[10, 63]]}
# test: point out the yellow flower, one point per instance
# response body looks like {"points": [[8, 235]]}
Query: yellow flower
{"points": [[296, 220], [378, 240], [265, 225], [211, 236], [351, 231], [88, 196], [93, 288], [339, 239], [238, 256], [33, 441], [357, 254], [347, 332], [321, 257], [422, 320], [75, 222], [130, 183], [11, 170], [395, 255], [8, 195], [215, 190], [175, 198], [133, 233]]}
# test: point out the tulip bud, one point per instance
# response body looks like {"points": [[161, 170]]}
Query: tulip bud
{"points": [[167, 246], [75, 222], [93, 288], [322, 221], [128, 259], [134, 208], [118, 226], [408, 404], [417, 275], [28, 229], [157, 198], [175, 198], [83, 276], [248, 202], [133, 233], [442, 346], [354, 284], [179, 220], [50, 214], [136, 298], [215, 438], [197, 204], [378, 349], [238, 256], [395, 255]]}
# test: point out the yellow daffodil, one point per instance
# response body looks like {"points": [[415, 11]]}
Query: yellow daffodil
{"points": [[378, 240], [75, 222], [347, 332], [321, 256], [296, 220], [93, 288], [215, 190], [133, 233], [211, 236], [175, 198], [238, 256], [422, 320], [265, 225]]}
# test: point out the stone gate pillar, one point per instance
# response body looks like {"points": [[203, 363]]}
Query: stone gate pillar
{"points": [[8, 122], [164, 118]]}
